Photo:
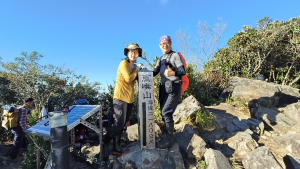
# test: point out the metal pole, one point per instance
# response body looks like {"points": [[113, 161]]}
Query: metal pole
{"points": [[100, 135], [59, 140], [38, 158]]}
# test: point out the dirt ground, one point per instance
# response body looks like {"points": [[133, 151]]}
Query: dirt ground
{"points": [[5, 157]]}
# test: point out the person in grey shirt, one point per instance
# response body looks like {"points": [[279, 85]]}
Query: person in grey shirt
{"points": [[171, 68]]}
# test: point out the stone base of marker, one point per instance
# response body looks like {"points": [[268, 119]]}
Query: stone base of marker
{"points": [[151, 158]]}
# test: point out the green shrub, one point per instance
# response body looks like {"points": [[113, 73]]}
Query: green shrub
{"points": [[270, 49], [237, 102], [30, 156], [201, 164], [203, 119], [205, 87]]}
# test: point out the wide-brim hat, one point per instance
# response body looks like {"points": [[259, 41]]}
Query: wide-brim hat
{"points": [[133, 46]]}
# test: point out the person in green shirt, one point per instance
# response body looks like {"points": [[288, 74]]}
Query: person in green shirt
{"points": [[123, 97]]}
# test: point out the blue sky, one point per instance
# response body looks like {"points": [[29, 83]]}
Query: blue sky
{"points": [[89, 36]]}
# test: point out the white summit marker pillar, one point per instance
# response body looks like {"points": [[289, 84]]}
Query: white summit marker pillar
{"points": [[146, 109]]}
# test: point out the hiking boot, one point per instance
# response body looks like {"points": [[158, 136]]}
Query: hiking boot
{"points": [[169, 139], [117, 149], [106, 141]]}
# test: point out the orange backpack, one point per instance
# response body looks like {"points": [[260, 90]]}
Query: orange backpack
{"points": [[184, 78]]}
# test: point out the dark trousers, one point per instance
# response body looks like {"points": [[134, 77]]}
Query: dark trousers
{"points": [[122, 113], [19, 141], [168, 102]]}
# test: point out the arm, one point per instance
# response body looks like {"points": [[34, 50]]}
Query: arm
{"points": [[124, 69], [180, 71]]}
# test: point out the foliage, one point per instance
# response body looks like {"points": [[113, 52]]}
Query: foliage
{"points": [[28, 78], [203, 119], [236, 164], [7, 95], [205, 87], [156, 83], [201, 164], [30, 156], [29, 161], [81, 90], [237, 102], [32, 116], [106, 97], [271, 49]]}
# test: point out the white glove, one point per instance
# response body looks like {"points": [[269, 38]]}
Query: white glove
{"points": [[138, 68], [141, 66]]}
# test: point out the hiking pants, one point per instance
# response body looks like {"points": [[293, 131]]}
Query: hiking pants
{"points": [[122, 113], [168, 102], [19, 141]]}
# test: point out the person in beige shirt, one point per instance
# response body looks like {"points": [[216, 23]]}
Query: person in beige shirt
{"points": [[123, 97]]}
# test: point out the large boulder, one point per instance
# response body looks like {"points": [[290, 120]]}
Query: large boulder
{"points": [[278, 121], [291, 142], [190, 143], [260, 158], [260, 92], [292, 111], [225, 113], [216, 160], [132, 132], [186, 108]]}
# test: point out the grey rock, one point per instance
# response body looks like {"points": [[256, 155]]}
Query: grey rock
{"points": [[190, 144], [216, 160], [291, 142], [230, 134], [249, 131], [232, 128], [242, 141], [153, 158], [268, 134], [132, 132], [255, 125], [260, 158], [186, 108], [292, 111], [241, 124], [217, 136], [260, 92], [172, 158], [275, 119]]}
